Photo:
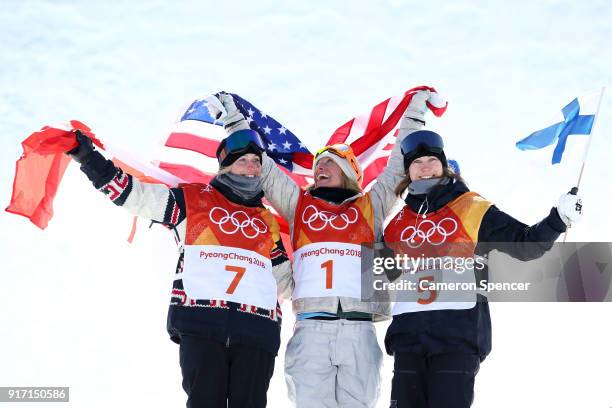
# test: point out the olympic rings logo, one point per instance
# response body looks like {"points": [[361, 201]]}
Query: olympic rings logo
{"points": [[317, 220], [238, 220], [425, 230]]}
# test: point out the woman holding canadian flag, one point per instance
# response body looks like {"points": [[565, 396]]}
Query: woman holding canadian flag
{"points": [[439, 339], [333, 358], [232, 264]]}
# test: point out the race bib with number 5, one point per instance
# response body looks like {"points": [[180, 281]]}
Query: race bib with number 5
{"points": [[423, 294]]}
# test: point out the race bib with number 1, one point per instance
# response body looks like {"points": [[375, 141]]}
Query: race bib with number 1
{"points": [[327, 269]]}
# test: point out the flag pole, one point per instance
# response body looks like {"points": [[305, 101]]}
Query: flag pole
{"points": [[588, 146]]}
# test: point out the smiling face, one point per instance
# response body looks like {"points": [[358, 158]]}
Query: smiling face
{"points": [[327, 173], [248, 165], [425, 167]]}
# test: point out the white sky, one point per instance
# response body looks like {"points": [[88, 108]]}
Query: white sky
{"points": [[81, 308]]}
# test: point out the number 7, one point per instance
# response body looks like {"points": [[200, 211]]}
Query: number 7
{"points": [[239, 274]]}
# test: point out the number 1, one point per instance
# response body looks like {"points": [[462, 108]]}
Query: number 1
{"points": [[329, 270], [239, 274]]}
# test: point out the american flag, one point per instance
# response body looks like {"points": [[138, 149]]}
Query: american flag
{"points": [[371, 136], [198, 132]]}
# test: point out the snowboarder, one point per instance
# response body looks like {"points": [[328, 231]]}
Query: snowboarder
{"points": [[438, 346], [223, 308]]}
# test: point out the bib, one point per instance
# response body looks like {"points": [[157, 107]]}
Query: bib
{"points": [[448, 235], [227, 249], [327, 242]]}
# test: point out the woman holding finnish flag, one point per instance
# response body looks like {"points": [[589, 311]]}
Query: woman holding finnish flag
{"points": [[439, 339], [223, 308], [333, 358]]}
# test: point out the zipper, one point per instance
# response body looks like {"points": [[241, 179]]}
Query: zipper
{"points": [[227, 341]]}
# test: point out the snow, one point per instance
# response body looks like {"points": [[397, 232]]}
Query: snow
{"points": [[82, 308]]}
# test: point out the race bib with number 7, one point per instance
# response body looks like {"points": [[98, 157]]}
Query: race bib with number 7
{"points": [[232, 274]]}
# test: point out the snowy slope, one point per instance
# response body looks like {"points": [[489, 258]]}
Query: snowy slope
{"points": [[80, 307]]}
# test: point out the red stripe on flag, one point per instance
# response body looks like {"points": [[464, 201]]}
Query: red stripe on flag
{"points": [[299, 179], [135, 173], [375, 134], [133, 230], [374, 169], [194, 143], [342, 133], [188, 173], [303, 159], [376, 116]]}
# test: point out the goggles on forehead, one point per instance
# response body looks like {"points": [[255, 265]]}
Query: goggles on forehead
{"points": [[340, 149], [345, 152], [239, 142]]}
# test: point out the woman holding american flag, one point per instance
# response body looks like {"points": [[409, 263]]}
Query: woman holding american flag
{"points": [[333, 358]]}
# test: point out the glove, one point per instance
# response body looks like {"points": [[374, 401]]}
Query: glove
{"points": [[215, 107], [418, 107], [84, 147], [223, 107], [570, 207]]}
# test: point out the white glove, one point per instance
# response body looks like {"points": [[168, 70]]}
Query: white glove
{"points": [[224, 108], [215, 107], [570, 208], [417, 107]]}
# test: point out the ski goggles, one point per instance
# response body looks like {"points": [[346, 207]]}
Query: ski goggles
{"points": [[238, 143], [427, 139], [341, 149], [345, 152]]}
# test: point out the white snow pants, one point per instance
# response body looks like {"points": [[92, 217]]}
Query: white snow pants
{"points": [[333, 364]]}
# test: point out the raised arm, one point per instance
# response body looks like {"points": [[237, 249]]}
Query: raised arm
{"points": [[152, 201], [383, 191], [279, 189]]}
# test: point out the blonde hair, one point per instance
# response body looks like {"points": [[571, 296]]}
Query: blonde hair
{"points": [[223, 170]]}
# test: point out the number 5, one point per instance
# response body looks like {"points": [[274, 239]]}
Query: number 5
{"points": [[329, 271], [433, 294], [239, 274]]}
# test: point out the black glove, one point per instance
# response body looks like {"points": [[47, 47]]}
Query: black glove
{"points": [[84, 148]]}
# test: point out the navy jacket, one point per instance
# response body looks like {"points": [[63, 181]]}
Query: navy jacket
{"points": [[468, 330]]}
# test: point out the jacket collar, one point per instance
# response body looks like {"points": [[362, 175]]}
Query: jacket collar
{"points": [[335, 195], [438, 197]]}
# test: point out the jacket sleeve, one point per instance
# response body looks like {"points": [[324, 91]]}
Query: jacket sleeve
{"points": [[500, 231], [282, 271], [279, 189], [383, 191], [152, 201]]}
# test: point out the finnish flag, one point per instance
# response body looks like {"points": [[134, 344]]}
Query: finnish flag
{"points": [[577, 118]]}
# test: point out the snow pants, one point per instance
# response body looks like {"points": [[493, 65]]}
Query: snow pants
{"points": [[437, 381], [333, 363], [216, 376]]}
